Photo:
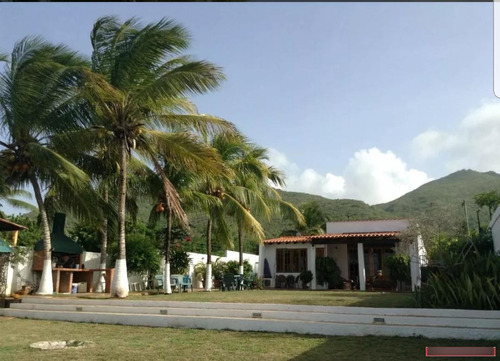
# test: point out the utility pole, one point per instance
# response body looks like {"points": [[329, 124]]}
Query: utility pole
{"points": [[466, 217], [478, 222]]}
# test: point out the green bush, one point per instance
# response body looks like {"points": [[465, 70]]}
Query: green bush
{"points": [[464, 273], [219, 267], [179, 262], [328, 271], [306, 276], [257, 283], [473, 284], [233, 267], [399, 267], [200, 270]]}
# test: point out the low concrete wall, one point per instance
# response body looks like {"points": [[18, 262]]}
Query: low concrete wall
{"points": [[322, 320]]}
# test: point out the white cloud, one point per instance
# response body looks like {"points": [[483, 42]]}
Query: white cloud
{"points": [[371, 176], [474, 144], [376, 177]]}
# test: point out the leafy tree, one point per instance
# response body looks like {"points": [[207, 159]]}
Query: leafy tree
{"points": [[87, 235], [38, 103], [27, 237], [179, 261], [489, 199]]}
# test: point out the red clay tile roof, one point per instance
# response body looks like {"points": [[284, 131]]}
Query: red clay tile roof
{"points": [[304, 239]]}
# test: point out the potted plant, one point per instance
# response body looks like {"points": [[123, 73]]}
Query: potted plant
{"points": [[219, 267], [200, 270], [305, 276]]}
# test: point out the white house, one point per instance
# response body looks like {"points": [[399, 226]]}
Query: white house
{"points": [[359, 248], [495, 229]]}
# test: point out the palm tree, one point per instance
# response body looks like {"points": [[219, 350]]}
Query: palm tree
{"points": [[9, 194], [39, 102], [226, 194], [253, 190], [140, 107], [315, 221]]}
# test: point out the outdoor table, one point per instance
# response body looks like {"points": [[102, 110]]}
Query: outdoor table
{"points": [[63, 278], [238, 279]]}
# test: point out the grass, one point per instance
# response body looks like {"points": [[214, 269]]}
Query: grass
{"points": [[145, 343], [297, 297]]}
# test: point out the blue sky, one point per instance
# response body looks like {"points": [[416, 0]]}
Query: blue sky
{"points": [[365, 101]]}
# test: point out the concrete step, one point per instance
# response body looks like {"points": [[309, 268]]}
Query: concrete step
{"points": [[415, 312], [324, 320], [267, 325], [264, 314]]}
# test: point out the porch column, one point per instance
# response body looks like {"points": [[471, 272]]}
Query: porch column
{"points": [[260, 270], [361, 265], [14, 238], [312, 265], [414, 265]]}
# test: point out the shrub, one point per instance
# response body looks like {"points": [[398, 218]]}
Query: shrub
{"points": [[219, 267], [200, 270], [474, 284], [179, 262], [327, 271], [306, 276], [399, 267], [257, 283], [233, 267]]}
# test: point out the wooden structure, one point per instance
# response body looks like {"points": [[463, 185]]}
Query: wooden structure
{"points": [[64, 249], [6, 225], [63, 278]]}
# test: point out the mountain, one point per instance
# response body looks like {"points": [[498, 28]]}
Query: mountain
{"points": [[447, 192]]}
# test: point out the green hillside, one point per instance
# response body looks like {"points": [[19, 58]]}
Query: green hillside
{"points": [[448, 192]]}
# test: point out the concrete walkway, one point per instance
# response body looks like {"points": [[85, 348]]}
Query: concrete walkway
{"points": [[322, 320]]}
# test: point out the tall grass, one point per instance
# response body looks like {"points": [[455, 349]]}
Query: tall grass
{"points": [[473, 284]]}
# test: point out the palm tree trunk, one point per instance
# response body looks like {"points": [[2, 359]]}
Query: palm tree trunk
{"points": [[208, 278], [119, 287], [46, 286], [101, 283], [104, 233], [240, 247], [168, 241]]}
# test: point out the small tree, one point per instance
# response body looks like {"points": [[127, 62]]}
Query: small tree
{"points": [[179, 262], [327, 271], [489, 199], [399, 268]]}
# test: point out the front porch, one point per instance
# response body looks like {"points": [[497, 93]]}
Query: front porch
{"points": [[360, 250]]}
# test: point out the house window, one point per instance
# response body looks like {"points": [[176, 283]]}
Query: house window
{"points": [[291, 260]]}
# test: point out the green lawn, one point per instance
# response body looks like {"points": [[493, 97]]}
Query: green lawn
{"points": [[114, 342], [298, 297]]}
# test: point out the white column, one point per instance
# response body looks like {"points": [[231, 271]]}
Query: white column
{"points": [[361, 265], [414, 265], [260, 270], [312, 265]]}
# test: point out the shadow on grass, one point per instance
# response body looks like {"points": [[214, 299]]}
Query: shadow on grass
{"points": [[382, 348], [370, 299]]}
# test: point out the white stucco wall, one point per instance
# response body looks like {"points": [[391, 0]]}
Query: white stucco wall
{"points": [[253, 259], [20, 274], [495, 229], [269, 252], [367, 226]]}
